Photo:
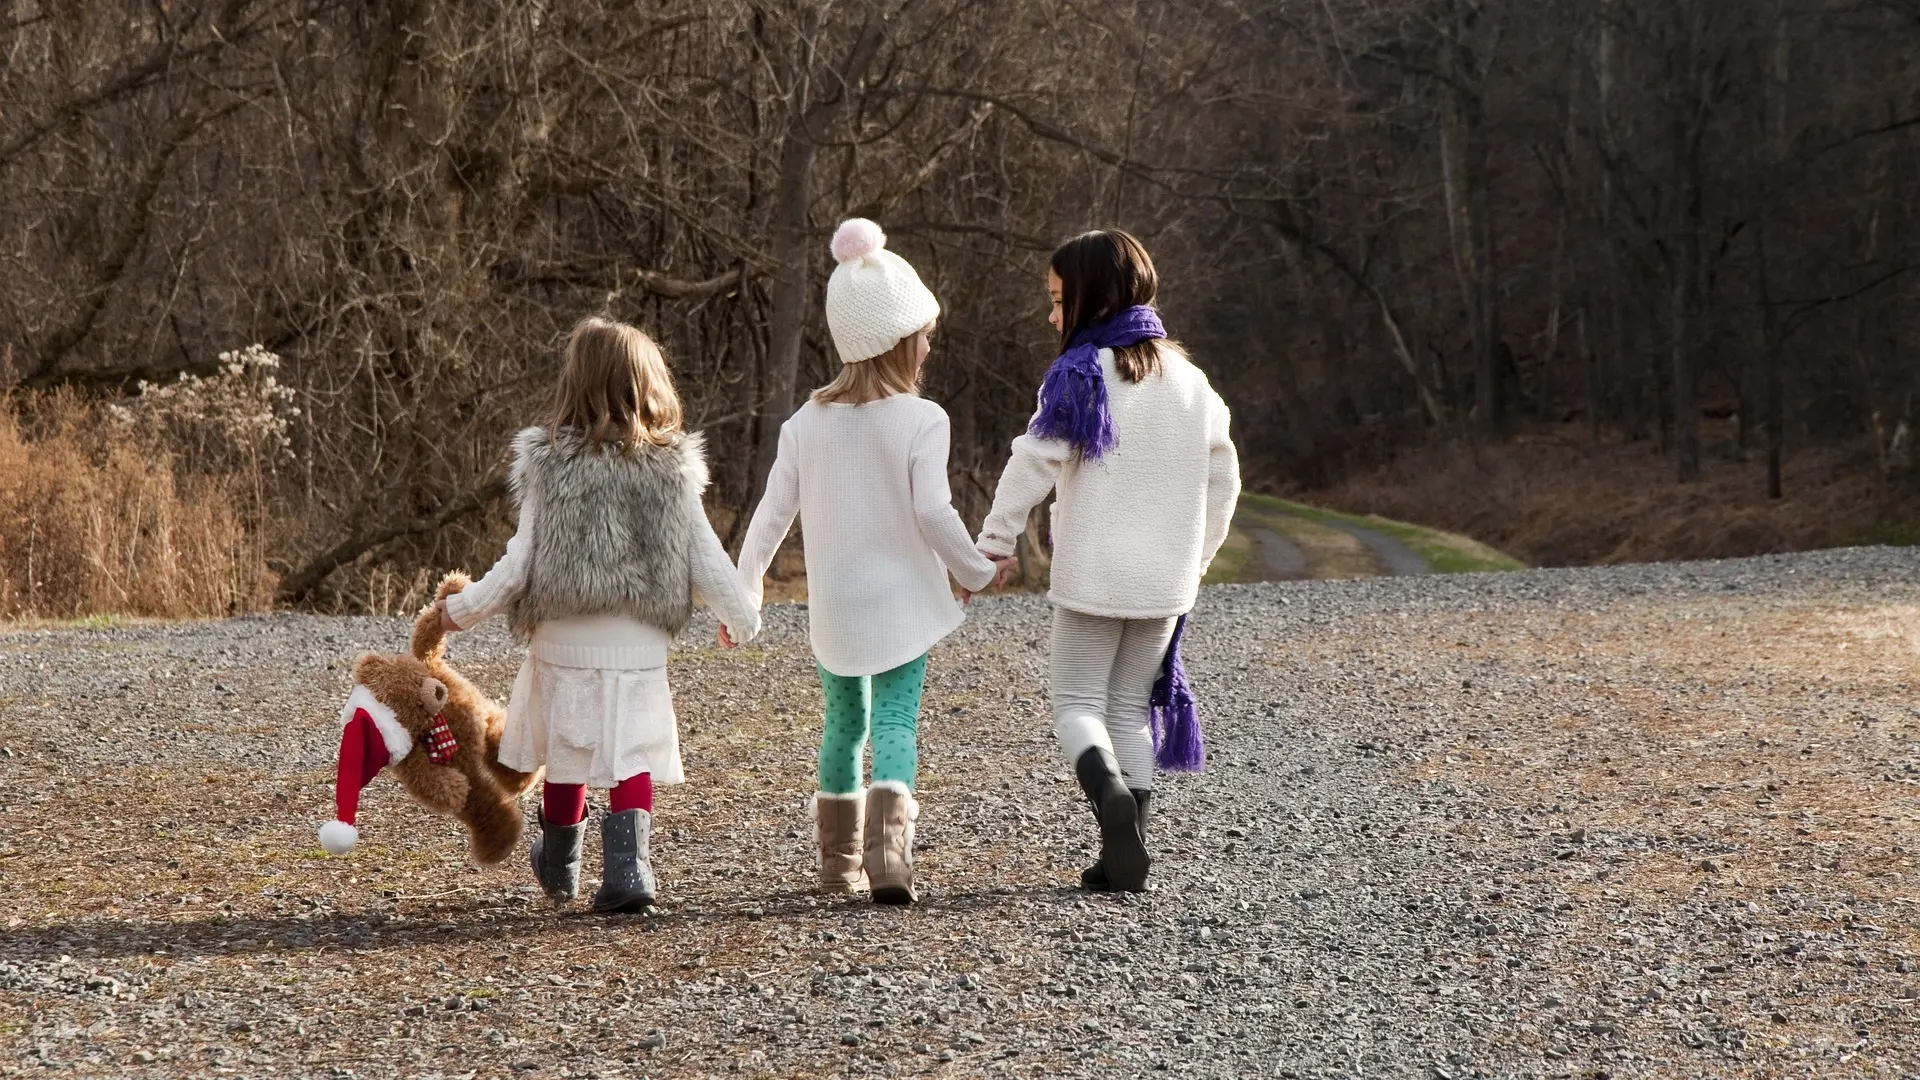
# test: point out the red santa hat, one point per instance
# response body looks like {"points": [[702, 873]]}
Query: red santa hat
{"points": [[370, 737]]}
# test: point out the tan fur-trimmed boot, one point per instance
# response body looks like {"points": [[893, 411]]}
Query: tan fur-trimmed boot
{"points": [[891, 811], [837, 821]]}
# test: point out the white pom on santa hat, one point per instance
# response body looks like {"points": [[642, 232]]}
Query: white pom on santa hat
{"points": [[338, 837], [857, 238]]}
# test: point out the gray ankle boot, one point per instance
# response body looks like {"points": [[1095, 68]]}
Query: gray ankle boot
{"points": [[556, 858], [1123, 855], [1094, 878], [626, 880]]}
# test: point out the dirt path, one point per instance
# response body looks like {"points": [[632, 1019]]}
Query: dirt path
{"points": [[1290, 546], [1645, 821], [1395, 558], [1280, 558]]}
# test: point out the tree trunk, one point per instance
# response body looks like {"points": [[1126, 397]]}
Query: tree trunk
{"points": [[793, 247], [1769, 315], [1685, 264], [1590, 367], [1466, 119], [787, 322], [1627, 405]]}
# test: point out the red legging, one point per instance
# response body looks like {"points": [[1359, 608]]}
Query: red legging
{"points": [[566, 804]]}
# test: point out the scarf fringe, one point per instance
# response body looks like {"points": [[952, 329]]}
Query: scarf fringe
{"points": [[1073, 397], [1074, 404], [1173, 717]]}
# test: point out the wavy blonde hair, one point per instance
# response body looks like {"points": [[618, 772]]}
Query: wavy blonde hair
{"points": [[896, 371], [615, 387]]}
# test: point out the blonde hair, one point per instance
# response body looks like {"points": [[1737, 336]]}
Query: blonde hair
{"points": [[615, 387], [896, 371]]}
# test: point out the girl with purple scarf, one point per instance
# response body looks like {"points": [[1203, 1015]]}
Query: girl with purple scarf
{"points": [[1133, 444]]}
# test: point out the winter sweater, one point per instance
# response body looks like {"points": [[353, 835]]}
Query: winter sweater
{"points": [[609, 550], [869, 483], [1134, 531]]}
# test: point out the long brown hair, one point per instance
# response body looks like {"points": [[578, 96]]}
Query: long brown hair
{"points": [[896, 371], [615, 387], [1102, 273]]}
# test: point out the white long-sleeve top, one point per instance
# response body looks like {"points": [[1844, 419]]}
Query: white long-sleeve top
{"points": [[610, 641], [1134, 531], [869, 483]]}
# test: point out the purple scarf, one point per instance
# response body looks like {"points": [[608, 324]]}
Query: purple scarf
{"points": [[1073, 398], [1173, 716], [1073, 407]]}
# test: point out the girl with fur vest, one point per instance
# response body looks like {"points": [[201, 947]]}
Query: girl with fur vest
{"points": [[598, 580], [1132, 442], [864, 465]]}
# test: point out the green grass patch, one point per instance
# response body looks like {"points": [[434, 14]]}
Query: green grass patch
{"points": [[1230, 564], [1330, 553], [1891, 532], [1445, 552]]}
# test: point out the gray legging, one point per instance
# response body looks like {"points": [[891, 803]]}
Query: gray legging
{"points": [[1101, 673]]}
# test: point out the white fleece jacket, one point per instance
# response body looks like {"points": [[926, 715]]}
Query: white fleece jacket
{"points": [[1134, 531]]}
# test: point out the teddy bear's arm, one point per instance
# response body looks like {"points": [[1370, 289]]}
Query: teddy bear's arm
{"points": [[441, 788]]}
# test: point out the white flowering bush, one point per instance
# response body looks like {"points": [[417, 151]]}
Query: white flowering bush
{"points": [[241, 413]]}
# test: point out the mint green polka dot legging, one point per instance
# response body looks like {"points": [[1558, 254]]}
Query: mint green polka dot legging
{"points": [[889, 704]]}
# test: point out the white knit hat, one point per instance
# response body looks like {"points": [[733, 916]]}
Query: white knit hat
{"points": [[873, 298]]}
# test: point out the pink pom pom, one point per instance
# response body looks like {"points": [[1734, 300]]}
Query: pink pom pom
{"points": [[855, 238]]}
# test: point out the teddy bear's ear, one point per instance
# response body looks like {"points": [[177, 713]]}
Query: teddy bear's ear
{"points": [[364, 667], [433, 695]]}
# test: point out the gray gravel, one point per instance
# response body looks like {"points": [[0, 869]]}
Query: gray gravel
{"points": [[1405, 859]]}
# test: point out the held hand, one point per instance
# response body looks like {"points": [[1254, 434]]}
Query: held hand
{"points": [[1005, 569], [726, 639], [447, 625]]}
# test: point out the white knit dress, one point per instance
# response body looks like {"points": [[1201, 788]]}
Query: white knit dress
{"points": [[869, 483], [591, 702]]}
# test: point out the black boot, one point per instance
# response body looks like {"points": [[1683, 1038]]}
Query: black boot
{"points": [[556, 858], [1122, 852], [626, 878], [1094, 878]]}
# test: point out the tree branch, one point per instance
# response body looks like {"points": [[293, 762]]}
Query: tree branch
{"points": [[56, 348], [613, 275], [299, 585]]}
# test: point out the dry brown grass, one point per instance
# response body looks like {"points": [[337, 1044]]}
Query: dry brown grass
{"points": [[1553, 499], [97, 524]]}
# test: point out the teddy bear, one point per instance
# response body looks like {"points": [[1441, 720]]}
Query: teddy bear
{"points": [[440, 735]]}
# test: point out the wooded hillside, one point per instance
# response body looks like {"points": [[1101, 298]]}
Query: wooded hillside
{"points": [[1381, 223]]}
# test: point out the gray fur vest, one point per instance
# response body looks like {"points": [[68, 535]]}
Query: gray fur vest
{"points": [[611, 531]]}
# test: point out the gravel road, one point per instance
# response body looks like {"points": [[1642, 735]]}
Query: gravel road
{"points": [[1636, 821]]}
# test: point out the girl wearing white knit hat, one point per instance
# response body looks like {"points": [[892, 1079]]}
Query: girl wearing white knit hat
{"points": [[864, 465]]}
